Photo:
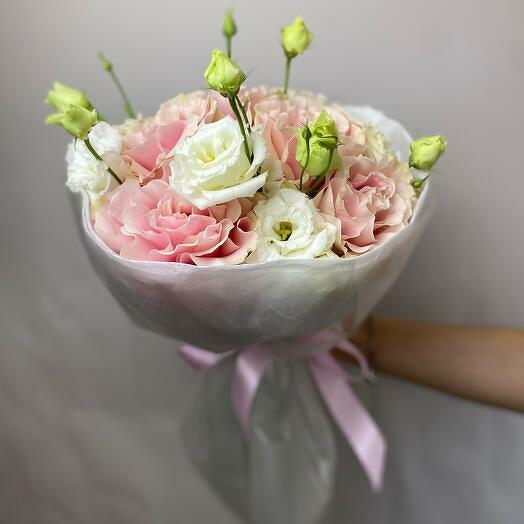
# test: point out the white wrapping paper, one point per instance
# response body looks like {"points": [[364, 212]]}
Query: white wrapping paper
{"points": [[286, 473]]}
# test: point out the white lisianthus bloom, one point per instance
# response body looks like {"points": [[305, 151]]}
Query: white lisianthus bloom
{"points": [[211, 167], [104, 137], [84, 171], [377, 147], [289, 226]]}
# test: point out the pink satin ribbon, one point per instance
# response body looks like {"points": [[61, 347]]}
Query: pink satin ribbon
{"points": [[355, 423]]}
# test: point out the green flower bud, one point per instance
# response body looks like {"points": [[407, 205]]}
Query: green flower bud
{"points": [[306, 133], [229, 28], [296, 38], [318, 160], [426, 151], [417, 183], [78, 121], [323, 143], [325, 129], [106, 64], [223, 75], [328, 141], [61, 97]]}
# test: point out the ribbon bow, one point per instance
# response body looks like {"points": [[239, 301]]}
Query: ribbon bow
{"points": [[355, 423]]}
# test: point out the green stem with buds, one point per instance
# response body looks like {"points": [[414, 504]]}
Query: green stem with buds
{"points": [[98, 157], [234, 107], [127, 104], [286, 76], [108, 66]]}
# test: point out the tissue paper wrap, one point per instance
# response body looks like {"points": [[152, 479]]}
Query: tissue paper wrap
{"points": [[286, 473]]}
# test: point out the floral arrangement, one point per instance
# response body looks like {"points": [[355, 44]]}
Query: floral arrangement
{"points": [[236, 175], [258, 226]]}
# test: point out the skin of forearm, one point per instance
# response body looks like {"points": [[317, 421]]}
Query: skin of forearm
{"points": [[483, 364]]}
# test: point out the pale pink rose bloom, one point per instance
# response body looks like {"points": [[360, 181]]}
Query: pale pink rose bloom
{"points": [[152, 222], [368, 201], [148, 143], [281, 116]]}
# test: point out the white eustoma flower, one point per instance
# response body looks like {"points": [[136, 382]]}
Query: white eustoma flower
{"points": [[211, 167], [84, 171], [104, 138], [289, 226]]}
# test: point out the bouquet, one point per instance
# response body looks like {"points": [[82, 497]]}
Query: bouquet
{"points": [[259, 227]]}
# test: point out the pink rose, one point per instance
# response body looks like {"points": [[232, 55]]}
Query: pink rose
{"points": [[147, 143], [152, 222], [281, 116], [368, 201]]}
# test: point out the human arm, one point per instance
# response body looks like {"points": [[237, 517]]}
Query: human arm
{"points": [[484, 364]]}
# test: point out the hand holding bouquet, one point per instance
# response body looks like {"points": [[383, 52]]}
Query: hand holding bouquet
{"points": [[248, 221]]}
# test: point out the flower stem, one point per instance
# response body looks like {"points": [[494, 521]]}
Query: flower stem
{"points": [[286, 76], [228, 45], [234, 107], [301, 176], [244, 114], [98, 157], [127, 104], [305, 165]]}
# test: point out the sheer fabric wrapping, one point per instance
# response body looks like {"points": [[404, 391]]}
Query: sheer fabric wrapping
{"points": [[286, 473]]}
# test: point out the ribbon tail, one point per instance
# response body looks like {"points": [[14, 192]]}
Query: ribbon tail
{"points": [[201, 359], [355, 423], [250, 366], [348, 347]]}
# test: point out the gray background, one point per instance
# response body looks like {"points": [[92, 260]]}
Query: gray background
{"points": [[90, 405]]}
